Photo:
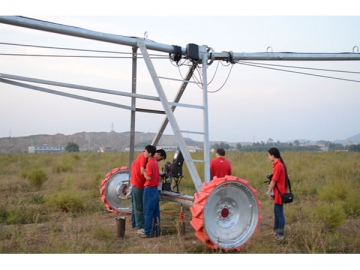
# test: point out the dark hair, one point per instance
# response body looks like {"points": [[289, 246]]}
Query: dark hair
{"points": [[151, 149], [221, 151], [276, 153], [161, 152]]}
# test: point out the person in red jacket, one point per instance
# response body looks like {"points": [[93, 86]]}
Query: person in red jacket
{"points": [[220, 166], [151, 196], [137, 181], [278, 178]]}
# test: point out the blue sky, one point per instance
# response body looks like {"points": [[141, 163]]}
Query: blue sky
{"points": [[247, 104]]}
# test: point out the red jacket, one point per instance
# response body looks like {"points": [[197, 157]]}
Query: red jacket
{"points": [[220, 167]]}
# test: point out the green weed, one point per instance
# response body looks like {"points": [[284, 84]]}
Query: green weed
{"points": [[67, 201], [36, 177]]}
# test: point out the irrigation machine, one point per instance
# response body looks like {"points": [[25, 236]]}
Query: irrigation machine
{"points": [[225, 211]]}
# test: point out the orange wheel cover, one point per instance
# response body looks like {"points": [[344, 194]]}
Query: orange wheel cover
{"points": [[111, 195], [225, 213]]}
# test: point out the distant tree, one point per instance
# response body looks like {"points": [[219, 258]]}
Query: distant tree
{"points": [[225, 146], [72, 147], [296, 143], [335, 146], [221, 145], [215, 146], [354, 148], [238, 146]]}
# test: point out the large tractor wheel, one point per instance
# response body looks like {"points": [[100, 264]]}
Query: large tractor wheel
{"points": [[225, 213], [113, 191]]}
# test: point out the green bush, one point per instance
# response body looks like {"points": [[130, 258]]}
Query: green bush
{"points": [[65, 163], [4, 213], [344, 191], [67, 201], [63, 167], [16, 215], [36, 177], [332, 215], [352, 203], [333, 190]]}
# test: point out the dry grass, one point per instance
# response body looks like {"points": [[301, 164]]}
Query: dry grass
{"points": [[320, 220]]}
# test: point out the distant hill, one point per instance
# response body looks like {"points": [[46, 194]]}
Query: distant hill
{"points": [[354, 139], [116, 141], [87, 141]]}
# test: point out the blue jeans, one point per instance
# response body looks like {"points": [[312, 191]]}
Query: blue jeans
{"points": [[137, 195], [279, 223], [151, 211]]}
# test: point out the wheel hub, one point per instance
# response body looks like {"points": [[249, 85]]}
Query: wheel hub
{"points": [[226, 213]]}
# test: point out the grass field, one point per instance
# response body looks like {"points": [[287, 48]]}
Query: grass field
{"points": [[50, 204]]}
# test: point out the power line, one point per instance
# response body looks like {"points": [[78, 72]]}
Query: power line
{"points": [[63, 48], [320, 69], [69, 49], [297, 72], [58, 48], [79, 56]]}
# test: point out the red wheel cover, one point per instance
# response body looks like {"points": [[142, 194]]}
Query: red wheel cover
{"points": [[113, 190], [225, 213]]}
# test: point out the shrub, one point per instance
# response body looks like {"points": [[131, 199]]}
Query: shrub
{"points": [[64, 165], [36, 177], [352, 203], [331, 215], [4, 213], [16, 215], [333, 190], [67, 201]]}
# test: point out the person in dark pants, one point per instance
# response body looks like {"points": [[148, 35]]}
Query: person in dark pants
{"points": [[151, 196], [278, 178], [137, 181], [137, 187]]}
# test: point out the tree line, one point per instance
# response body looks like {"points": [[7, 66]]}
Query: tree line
{"points": [[263, 147], [286, 146]]}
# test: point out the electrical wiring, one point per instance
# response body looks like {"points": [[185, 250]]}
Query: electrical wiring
{"points": [[214, 91], [223, 83], [217, 66]]}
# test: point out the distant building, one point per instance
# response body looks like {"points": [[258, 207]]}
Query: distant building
{"points": [[46, 149], [106, 149]]}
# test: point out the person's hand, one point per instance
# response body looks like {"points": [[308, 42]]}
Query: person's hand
{"points": [[128, 192]]}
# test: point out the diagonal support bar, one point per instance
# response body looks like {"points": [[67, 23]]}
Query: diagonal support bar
{"points": [[185, 152], [176, 100]]}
